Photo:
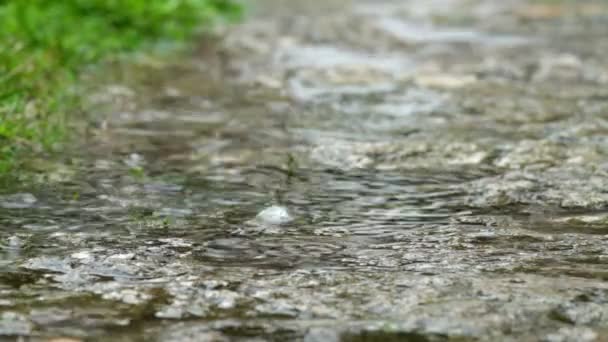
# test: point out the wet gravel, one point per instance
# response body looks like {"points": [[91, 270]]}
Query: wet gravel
{"points": [[332, 171]]}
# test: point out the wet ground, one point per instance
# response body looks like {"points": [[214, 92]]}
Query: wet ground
{"points": [[333, 171]]}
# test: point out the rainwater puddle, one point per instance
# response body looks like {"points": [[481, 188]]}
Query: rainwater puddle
{"points": [[329, 172]]}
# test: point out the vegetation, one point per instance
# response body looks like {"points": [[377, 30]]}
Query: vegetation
{"points": [[44, 44]]}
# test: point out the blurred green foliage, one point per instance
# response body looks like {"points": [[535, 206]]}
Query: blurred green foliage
{"points": [[45, 43]]}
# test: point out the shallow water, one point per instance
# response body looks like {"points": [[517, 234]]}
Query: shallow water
{"points": [[333, 171]]}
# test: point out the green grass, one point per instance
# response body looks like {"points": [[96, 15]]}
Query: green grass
{"points": [[44, 44]]}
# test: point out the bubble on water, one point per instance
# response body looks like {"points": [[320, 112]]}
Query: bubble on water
{"points": [[274, 215]]}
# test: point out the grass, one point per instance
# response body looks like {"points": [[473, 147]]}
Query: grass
{"points": [[45, 44]]}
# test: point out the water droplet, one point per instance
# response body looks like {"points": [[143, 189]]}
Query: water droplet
{"points": [[274, 215]]}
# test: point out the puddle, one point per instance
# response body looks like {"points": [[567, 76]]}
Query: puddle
{"points": [[332, 171]]}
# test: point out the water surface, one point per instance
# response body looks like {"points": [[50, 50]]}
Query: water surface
{"points": [[437, 171]]}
